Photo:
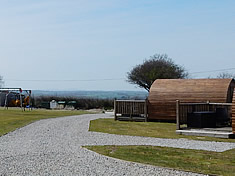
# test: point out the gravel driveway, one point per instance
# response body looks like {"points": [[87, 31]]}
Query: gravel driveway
{"points": [[53, 147]]}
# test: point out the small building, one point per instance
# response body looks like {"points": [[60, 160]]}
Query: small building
{"points": [[61, 104], [164, 93], [53, 104]]}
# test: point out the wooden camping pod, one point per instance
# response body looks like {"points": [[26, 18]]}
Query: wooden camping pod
{"points": [[164, 93]]}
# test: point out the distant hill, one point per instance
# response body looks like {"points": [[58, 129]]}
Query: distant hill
{"points": [[94, 94]]}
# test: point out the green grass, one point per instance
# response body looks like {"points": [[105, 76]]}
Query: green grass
{"points": [[147, 129], [14, 118], [182, 159]]}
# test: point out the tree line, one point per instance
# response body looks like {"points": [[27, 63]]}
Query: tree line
{"points": [[80, 103]]}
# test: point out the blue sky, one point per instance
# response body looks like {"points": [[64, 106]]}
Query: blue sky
{"points": [[95, 40]]}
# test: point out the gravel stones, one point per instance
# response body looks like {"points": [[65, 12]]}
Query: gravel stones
{"points": [[54, 147]]}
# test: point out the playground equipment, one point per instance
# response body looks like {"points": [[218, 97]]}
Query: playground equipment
{"points": [[15, 97]]}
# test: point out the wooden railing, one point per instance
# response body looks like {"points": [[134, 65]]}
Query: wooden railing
{"points": [[182, 110], [233, 113], [130, 108]]}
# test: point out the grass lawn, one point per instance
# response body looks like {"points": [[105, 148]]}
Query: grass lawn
{"points": [[182, 159], [148, 129], [14, 118]]}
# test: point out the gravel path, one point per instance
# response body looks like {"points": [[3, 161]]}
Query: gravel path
{"points": [[53, 147]]}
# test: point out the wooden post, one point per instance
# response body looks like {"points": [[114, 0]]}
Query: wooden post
{"points": [[21, 102], [115, 115], [208, 105], [131, 110], [145, 110], [5, 104], [30, 102], [177, 114]]}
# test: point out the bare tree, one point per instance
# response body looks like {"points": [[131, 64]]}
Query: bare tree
{"points": [[1, 81], [159, 66], [226, 75]]}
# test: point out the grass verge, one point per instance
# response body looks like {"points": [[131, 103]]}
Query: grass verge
{"points": [[14, 118], [182, 159], [147, 129]]}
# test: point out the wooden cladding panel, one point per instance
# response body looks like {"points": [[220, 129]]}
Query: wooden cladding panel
{"points": [[164, 93], [233, 113]]}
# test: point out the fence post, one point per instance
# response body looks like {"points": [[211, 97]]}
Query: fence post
{"points": [[21, 102], [5, 104], [131, 110], [177, 114], [145, 109], [208, 105], [115, 114]]}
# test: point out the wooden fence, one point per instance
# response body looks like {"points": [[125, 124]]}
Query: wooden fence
{"points": [[233, 113], [130, 109], [182, 110]]}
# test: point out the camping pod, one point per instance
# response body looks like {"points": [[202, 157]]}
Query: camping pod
{"points": [[164, 93]]}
